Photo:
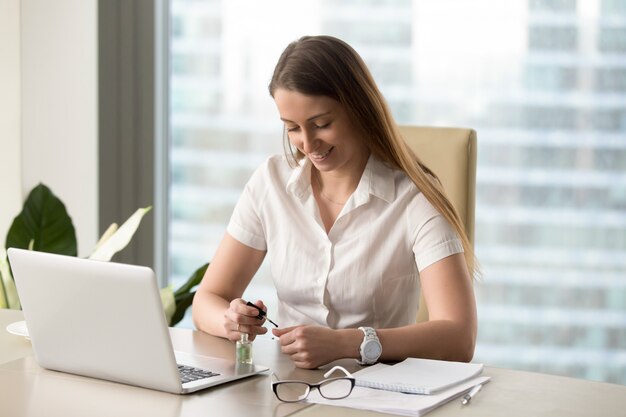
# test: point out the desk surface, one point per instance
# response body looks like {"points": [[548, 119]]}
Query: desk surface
{"points": [[28, 390]]}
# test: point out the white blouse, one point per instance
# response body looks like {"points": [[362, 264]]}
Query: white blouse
{"points": [[365, 271]]}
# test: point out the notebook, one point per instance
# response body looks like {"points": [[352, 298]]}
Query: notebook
{"points": [[398, 403], [419, 376], [105, 320]]}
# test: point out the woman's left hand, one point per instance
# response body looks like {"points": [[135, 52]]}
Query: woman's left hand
{"points": [[308, 346]]}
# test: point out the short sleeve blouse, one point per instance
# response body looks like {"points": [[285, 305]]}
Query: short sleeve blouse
{"points": [[365, 270]]}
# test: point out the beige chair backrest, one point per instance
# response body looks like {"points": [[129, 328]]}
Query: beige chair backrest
{"points": [[451, 154]]}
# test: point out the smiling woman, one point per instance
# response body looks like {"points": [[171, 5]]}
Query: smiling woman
{"points": [[351, 229]]}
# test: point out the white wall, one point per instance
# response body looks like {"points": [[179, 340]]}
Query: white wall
{"points": [[59, 103], [10, 179]]}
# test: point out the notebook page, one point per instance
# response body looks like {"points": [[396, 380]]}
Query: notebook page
{"points": [[398, 403], [419, 376]]}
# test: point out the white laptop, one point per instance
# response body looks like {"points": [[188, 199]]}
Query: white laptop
{"points": [[105, 320]]}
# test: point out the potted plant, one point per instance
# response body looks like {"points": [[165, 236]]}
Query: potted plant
{"points": [[44, 225]]}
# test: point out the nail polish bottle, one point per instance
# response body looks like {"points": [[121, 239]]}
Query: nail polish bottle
{"points": [[244, 350]]}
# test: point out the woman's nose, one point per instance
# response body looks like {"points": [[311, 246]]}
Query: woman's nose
{"points": [[308, 141]]}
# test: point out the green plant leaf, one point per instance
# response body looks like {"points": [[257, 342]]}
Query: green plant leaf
{"points": [[10, 298], [118, 240], [168, 301], [184, 295], [4, 301], [193, 280], [182, 304], [45, 222]]}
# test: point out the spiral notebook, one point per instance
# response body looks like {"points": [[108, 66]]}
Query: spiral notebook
{"points": [[419, 376]]}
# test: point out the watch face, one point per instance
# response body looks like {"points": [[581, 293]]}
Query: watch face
{"points": [[372, 350]]}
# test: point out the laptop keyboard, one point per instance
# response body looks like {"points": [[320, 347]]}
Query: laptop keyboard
{"points": [[189, 373]]}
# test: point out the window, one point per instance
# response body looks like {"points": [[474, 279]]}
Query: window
{"points": [[543, 83]]}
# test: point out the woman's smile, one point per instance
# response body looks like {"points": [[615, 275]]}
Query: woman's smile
{"points": [[319, 157]]}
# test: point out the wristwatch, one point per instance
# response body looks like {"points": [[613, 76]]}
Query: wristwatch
{"points": [[371, 348]]}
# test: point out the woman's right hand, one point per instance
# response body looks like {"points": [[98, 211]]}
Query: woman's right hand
{"points": [[241, 318]]}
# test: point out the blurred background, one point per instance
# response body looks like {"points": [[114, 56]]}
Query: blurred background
{"points": [[543, 82]]}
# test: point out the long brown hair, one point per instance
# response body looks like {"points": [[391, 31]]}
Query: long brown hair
{"points": [[327, 66]]}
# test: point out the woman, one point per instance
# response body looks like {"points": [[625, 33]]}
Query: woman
{"points": [[352, 223]]}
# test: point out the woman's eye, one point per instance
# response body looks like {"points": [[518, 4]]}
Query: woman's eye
{"points": [[292, 129], [325, 125]]}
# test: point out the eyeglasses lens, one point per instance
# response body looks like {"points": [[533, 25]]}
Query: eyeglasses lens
{"points": [[292, 391], [334, 389]]}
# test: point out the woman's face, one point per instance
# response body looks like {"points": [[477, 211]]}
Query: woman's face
{"points": [[320, 128]]}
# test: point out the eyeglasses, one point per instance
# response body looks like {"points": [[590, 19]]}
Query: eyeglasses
{"points": [[333, 388]]}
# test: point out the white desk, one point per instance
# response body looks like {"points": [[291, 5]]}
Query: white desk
{"points": [[28, 390]]}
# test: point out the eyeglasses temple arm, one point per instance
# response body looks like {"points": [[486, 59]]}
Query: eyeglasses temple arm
{"points": [[338, 368]]}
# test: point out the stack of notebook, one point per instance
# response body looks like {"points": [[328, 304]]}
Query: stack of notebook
{"points": [[412, 387]]}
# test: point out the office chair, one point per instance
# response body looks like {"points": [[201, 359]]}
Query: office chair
{"points": [[451, 154]]}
